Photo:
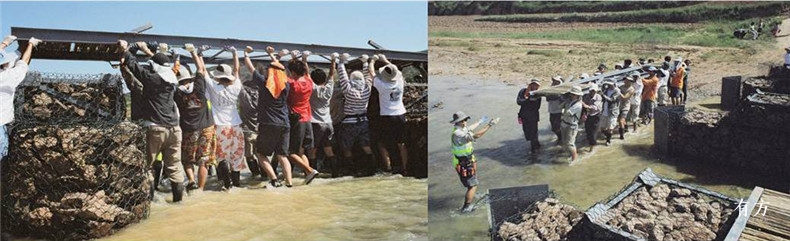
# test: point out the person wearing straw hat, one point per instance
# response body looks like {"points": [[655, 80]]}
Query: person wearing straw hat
{"points": [[196, 122], [571, 115], [627, 91], [389, 83], [555, 108], [464, 161], [223, 88], [591, 102], [528, 114], [611, 108], [163, 133], [649, 95], [299, 103], [12, 72]]}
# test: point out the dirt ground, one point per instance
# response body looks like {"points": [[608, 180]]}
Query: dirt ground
{"points": [[515, 61]]}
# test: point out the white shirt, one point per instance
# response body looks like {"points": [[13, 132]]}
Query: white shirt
{"points": [[662, 81], [224, 102], [636, 99], [390, 97], [9, 80]]}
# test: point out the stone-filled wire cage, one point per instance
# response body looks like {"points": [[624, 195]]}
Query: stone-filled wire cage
{"points": [[55, 98], [75, 169]]}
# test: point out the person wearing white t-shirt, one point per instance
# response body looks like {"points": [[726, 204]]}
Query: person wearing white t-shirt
{"points": [[223, 92], [663, 83], [636, 101], [12, 73], [389, 83]]}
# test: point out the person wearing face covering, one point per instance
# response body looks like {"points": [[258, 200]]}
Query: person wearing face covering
{"points": [[12, 73], [163, 133], [354, 129], [197, 123]]}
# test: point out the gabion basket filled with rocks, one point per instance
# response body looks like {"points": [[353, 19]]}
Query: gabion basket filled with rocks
{"points": [[56, 98], [74, 182], [656, 208]]}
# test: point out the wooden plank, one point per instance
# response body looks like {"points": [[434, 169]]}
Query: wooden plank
{"points": [[740, 223]]}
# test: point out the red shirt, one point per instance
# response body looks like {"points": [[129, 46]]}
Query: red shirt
{"points": [[299, 97]]}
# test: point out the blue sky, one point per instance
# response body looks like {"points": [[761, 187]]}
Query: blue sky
{"points": [[395, 25]]}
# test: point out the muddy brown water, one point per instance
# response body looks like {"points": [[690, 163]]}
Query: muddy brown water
{"points": [[503, 160], [369, 208]]}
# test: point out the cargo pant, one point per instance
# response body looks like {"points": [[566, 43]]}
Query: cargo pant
{"points": [[166, 140]]}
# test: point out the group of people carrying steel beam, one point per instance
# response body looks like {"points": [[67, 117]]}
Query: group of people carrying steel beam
{"points": [[608, 108], [214, 118]]}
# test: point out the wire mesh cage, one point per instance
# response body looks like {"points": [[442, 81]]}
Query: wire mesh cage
{"points": [[56, 98], [73, 182]]}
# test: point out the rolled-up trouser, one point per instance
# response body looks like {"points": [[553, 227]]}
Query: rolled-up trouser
{"points": [[250, 137], [591, 129], [647, 108], [166, 140], [569, 135], [662, 95]]}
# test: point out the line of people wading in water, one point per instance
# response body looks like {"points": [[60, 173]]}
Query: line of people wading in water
{"points": [[214, 118], [609, 108], [217, 119]]}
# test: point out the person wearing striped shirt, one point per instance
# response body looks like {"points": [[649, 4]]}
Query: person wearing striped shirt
{"points": [[354, 129]]}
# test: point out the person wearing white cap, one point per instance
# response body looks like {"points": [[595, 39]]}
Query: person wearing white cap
{"points": [[196, 122], [591, 102], [571, 115], [627, 91], [12, 73], [676, 83], [611, 108], [636, 100], [163, 133], [389, 83], [528, 114], [464, 161], [223, 88], [555, 109]]}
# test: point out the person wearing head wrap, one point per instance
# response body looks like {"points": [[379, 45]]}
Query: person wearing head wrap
{"points": [[163, 133], [676, 83], [611, 108], [649, 93], [354, 128]]}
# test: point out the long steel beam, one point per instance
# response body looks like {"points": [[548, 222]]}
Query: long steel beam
{"points": [[79, 36]]}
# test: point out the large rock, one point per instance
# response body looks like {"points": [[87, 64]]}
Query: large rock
{"points": [[550, 220]]}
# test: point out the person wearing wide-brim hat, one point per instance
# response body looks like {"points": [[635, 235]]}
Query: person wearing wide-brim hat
{"points": [[389, 83], [611, 108], [464, 160], [161, 117], [571, 115], [591, 102], [555, 109], [529, 114], [12, 72], [197, 123]]}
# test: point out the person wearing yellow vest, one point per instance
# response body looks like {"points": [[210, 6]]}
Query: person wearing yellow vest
{"points": [[463, 153]]}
